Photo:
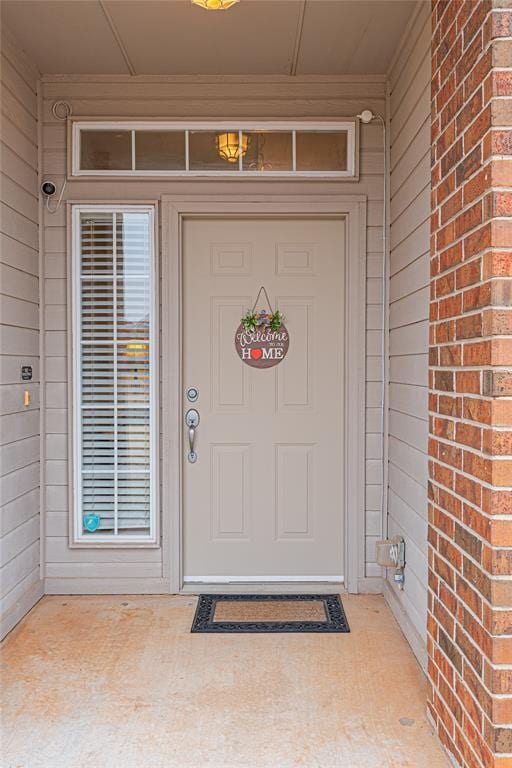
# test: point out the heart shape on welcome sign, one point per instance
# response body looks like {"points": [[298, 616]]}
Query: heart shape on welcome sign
{"points": [[256, 354]]}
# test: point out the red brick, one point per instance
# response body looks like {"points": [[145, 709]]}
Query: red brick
{"points": [[444, 666], [443, 380], [445, 187], [467, 541], [445, 284], [468, 382], [501, 623], [468, 489], [451, 206], [477, 577], [466, 62], [476, 521], [501, 351], [501, 168], [469, 703], [445, 331], [452, 107], [450, 406], [497, 263], [468, 219], [477, 466], [469, 326], [470, 464], [477, 129], [451, 652], [477, 74], [442, 475], [449, 355], [443, 428], [445, 571], [498, 561], [501, 142], [445, 236], [468, 434], [501, 233], [477, 353], [476, 20], [496, 322], [477, 297], [477, 241], [445, 93], [468, 274], [440, 520], [501, 412], [444, 618], [497, 442], [500, 24], [451, 157], [450, 307], [468, 595], [450, 257], [502, 81], [476, 409], [497, 383], [450, 454], [446, 139], [469, 165], [501, 293], [477, 185]]}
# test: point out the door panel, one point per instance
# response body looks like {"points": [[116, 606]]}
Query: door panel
{"points": [[264, 498]]}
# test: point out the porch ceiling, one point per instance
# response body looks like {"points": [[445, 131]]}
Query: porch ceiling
{"points": [[255, 37]]}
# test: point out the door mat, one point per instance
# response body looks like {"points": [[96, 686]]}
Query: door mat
{"points": [[269, 613]]}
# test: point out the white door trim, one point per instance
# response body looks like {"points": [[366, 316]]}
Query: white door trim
{"points": [[353, 209]]}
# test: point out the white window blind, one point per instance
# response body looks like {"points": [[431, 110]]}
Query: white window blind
{"points": [[114, 389]]}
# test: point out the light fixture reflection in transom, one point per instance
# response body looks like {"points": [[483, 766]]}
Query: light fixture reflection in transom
{"points": [[136, 349], [230, 145], [215, 5]]}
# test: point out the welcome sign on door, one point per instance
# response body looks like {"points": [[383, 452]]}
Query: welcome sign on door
{"points": [[262, 347]]}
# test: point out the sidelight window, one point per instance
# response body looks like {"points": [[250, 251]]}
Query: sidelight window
{"points": [[114, 295]]}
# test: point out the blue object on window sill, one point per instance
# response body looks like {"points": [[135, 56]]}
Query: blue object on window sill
{"points": [[91, 522]]}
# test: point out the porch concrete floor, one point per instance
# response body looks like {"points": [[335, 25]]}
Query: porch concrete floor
{"points": [[119, 682]]}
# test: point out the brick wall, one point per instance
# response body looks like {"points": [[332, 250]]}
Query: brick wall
{"points": [[470, 444]]}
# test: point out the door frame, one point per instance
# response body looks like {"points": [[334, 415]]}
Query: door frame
{"points": [[174, 210]]}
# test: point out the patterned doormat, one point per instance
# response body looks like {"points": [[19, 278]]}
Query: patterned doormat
{"points": [[269, 613]]}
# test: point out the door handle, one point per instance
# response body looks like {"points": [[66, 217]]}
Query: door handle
{"points": [[192, 421], [191, 438]]}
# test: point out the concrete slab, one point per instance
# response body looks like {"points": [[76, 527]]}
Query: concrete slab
{"points": [[119, 682]]}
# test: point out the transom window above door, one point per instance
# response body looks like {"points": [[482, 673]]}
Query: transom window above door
{"points": [[121, 148]]}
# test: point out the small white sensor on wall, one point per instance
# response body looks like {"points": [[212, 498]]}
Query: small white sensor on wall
{"points": [[366, 116]]}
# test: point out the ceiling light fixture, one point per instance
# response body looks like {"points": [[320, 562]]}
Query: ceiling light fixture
{"points": [[230, 146], [215, 5]]}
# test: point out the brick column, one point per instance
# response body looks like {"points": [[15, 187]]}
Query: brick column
{"points": [[470, 448]]}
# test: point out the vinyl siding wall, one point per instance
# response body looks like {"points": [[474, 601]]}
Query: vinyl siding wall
{"points": [[409, 141], [86, 570], [20, 581]]}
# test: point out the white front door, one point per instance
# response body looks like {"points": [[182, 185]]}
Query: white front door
{"points": [[263, 501]]}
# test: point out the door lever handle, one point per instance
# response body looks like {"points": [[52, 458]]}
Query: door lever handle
{"points": [[191, 438], [192, 421]]}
